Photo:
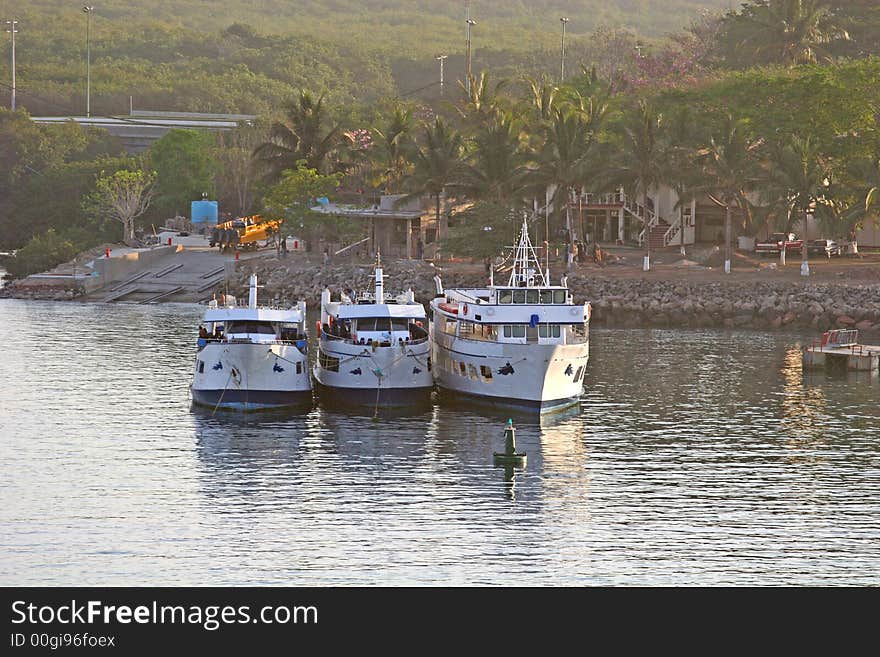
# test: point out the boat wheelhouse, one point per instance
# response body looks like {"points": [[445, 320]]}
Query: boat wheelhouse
{"points": [[252, 357], [373, 349], [524, 344]]}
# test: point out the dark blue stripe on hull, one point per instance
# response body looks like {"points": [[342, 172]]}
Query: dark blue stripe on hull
{"points": [[522, 405], [367, 397], [244, 400]]}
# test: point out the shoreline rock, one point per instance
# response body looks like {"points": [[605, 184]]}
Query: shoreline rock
{"points": [[617, 302], [765, 305]]}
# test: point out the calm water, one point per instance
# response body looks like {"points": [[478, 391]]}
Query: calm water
{"points": [[696, 458]]}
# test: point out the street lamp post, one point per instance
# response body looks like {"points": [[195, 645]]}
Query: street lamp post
{"points": [[441, 59], [470, 23], [564, 21], [88, 12], [13, 32]]}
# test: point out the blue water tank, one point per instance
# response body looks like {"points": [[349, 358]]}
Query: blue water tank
{"points": [[204, 212]]}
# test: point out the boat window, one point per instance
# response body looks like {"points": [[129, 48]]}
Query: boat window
{"points": [[577, 377], [505, 296], [486, 371], [376, 324], [201, 367], [549, 330], [546, 296], [559, 296], [472, 372], [243, 326], [299, 367], [519, 296], [531, 296], [399, 324], [328, 362], [461, 369], [519, 330]]}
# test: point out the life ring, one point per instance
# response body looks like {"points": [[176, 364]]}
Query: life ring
{"points": [[318, 326], [464, 309]]}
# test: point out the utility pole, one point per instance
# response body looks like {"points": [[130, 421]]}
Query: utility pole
{"points": [[13, 31], [470, 23], [564, 21], [88, 12], [441, 58]]}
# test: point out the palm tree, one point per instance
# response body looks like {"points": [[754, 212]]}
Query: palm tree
{"points": [[435, 164], [390, 146], [784, 31], [642, 161], [685, 173], [482, 101], [304, 136], [729, 168], [864, 174], [797, 179], [496, 168]]}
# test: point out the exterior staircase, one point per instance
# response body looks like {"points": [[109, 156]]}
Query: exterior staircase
{"points": [[657, 236]]}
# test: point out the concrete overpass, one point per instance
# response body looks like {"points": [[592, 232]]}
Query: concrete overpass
{"points": [[138, 130]]}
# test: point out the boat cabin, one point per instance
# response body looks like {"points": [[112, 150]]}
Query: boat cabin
{"points": [[254, 325], [382, 324]]}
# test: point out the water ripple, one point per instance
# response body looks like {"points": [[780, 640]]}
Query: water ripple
{"points": [[695, 458]]}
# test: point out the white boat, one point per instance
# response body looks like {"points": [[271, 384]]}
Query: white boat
{"points": [[373, 349], [252, 357], [523, 345]]}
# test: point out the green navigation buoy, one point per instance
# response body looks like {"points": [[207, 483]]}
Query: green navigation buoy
{"points": [[510, 457]]}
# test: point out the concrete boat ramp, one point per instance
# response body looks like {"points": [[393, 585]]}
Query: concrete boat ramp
{"points": [[167, 273], [840, 352]]}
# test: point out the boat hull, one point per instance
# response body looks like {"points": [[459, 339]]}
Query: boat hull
{"points": [[533, 377], [405, 374], [250, 400], [251, 376]]}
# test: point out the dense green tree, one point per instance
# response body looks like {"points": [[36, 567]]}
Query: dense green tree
{"points": [[185, 166], [237, 180], [295, 194]]}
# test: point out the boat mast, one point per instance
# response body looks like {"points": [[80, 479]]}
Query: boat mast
{"points": [[380, 288], [526, 265], [252, 295]]}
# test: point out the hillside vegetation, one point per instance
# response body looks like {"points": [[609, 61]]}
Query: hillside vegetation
{"points": [[217, 56]]}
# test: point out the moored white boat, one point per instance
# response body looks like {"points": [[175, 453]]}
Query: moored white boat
{"points": [[252, 357], [373, 349], [523, 345]]}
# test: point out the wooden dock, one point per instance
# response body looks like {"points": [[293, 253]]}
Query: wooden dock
{"points": [[839, 351]]}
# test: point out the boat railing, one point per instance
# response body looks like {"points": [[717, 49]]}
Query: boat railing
{"points": [[384, 343], [202, 342]]}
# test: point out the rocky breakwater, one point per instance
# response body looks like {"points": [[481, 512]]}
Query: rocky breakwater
{"points": [[300, 279], [753, 305], [620, 302]]}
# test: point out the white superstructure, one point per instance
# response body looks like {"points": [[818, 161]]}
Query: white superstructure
{"points": [[524, 344], [373, 349], [251, 357]]}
